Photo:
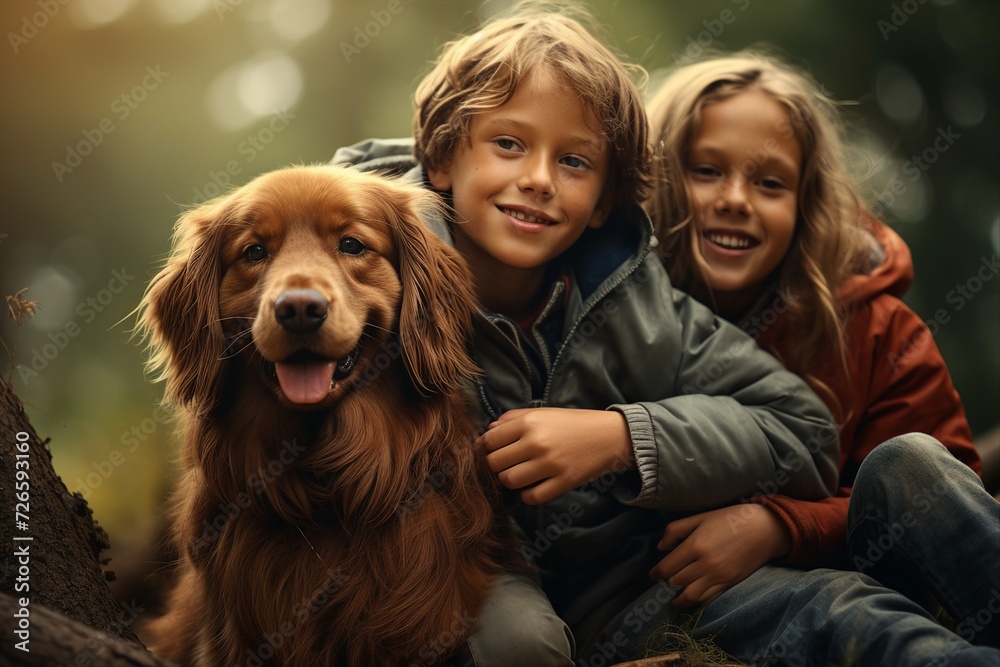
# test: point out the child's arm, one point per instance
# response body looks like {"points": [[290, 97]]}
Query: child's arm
{"points": [[730, 421], [908, 389], [738, 424], [714, 551], [554, 450]]}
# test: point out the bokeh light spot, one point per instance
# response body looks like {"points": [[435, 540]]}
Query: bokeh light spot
{"points": [[294, 20], [223, 101], [963, 99], [269, 83], [178, 12], [90, 14], [898, 93], [56, 294]]}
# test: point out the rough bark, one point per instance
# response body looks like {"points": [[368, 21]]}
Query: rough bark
{"points": [[57, 639], [60, 570]]}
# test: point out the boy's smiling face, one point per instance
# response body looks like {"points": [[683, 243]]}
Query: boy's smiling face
{"points": [[528, 182]]}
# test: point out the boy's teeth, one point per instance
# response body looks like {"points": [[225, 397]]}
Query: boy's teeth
{"points": [[726, 241], [524, 217]]}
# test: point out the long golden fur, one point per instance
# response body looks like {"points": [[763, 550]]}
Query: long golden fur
{"points": [[352, 528]]}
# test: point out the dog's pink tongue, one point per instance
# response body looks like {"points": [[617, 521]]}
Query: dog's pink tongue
{"points": [[305, 382]]}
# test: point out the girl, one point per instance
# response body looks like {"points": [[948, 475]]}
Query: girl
{"points": [[756, 217]]}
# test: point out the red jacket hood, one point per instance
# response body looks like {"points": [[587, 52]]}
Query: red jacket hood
{"points": [[898, 383], [893, 274]]}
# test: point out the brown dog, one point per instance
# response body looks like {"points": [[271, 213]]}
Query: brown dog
{"points": [[332, 511]]}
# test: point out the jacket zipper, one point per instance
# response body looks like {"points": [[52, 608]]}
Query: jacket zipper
{"points": [[497, 321], [593, 301]]}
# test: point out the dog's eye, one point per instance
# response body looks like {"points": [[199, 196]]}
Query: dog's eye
{"points": [[351, 246], [255, 253]]}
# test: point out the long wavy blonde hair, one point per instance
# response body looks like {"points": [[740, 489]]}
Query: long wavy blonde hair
{"points": [[827, 246]]}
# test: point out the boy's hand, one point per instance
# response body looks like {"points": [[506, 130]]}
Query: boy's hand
{"points": [[555, 449], [717, 550]]}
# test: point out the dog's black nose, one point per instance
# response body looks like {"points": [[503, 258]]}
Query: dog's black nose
{"points": [[300, 310]]}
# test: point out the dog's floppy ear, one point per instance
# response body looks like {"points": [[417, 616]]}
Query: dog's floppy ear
{"points": [[435, 320], [179, 313]]}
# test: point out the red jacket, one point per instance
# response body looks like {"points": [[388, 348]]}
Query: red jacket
{"points": [[899, 384]]}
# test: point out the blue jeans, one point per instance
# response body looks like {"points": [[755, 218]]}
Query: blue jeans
{"points": [[802, 618], [921, 523], [788, 616]]}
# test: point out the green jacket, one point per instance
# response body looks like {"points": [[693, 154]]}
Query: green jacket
{"points": [[713, 419]]}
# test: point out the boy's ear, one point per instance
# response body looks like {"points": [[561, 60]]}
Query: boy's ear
{"points": [[440, 178]]}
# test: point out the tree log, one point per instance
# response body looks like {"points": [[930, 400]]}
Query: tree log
{"points": [[57, 639], [52, 560]]}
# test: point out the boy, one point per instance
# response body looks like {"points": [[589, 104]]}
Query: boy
{"points": [[610, 399]]}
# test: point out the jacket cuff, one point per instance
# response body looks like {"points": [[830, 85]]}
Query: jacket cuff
{"points": [[640, 486], [795, 556], [807, 542]]}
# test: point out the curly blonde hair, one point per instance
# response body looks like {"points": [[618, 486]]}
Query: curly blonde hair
{"points": [[827, 246], [480, 72]]}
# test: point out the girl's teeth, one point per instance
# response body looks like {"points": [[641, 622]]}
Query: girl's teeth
{"points": [[524, 217], [726, 241]]}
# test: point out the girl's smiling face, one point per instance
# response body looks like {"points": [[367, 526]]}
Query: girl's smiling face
{"points": [[742, 177]]}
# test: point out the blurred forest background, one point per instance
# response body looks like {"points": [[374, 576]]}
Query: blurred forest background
{"points": [[115, 114]]}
